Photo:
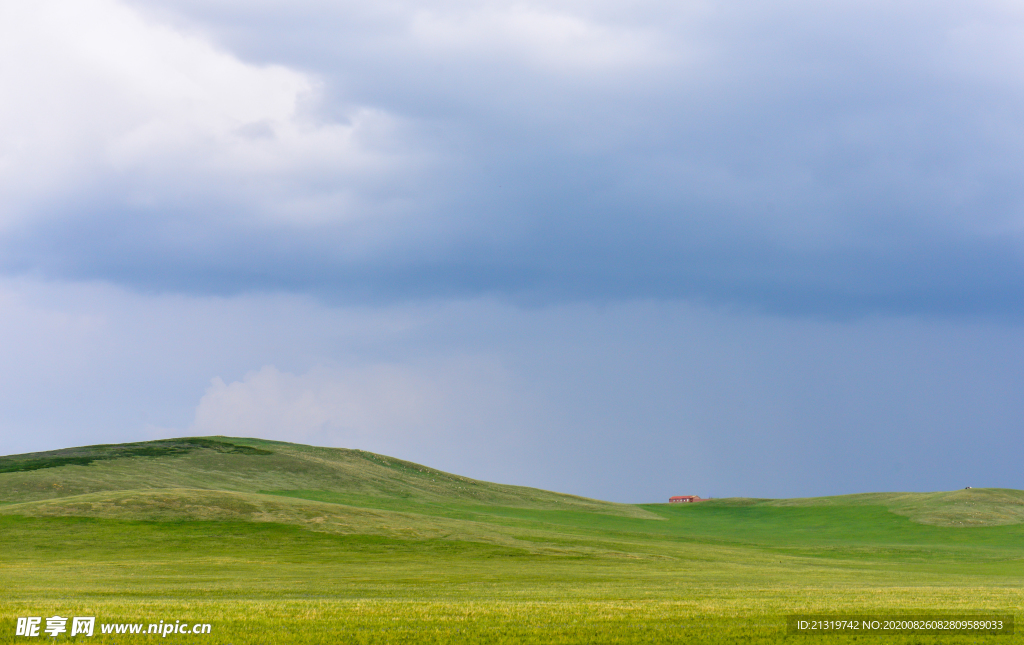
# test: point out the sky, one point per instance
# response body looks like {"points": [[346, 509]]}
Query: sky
{"points": [[620, 250]]}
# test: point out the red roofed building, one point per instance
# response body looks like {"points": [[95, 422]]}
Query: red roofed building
{"points": [[684, 498]]}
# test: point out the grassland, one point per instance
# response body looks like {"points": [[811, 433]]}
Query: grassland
{"points": [[278, 543]]}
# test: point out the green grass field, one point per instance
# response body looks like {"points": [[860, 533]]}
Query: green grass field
{"points": [[278, 543]]}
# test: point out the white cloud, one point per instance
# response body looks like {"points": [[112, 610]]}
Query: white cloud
{"points": [[397, 408], [96, 93], [544, 37], [347, 405]]}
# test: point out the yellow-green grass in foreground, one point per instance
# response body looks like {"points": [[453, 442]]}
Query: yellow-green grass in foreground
{"points": [[701, 619], [308, 545]]}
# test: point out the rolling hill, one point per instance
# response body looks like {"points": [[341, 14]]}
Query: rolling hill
{"points": [[255, 466], [253, 479], [353, 492], [323, 489]]}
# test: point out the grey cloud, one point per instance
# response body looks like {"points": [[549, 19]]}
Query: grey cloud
{"points": [[792, 157]]}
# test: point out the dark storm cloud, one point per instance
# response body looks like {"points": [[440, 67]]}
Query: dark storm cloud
{"points": [[794, 158]]}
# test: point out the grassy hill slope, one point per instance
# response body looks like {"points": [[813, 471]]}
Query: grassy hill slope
{"points": [[355, 492], [966, 507], [322, 489], [254, 465]]}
